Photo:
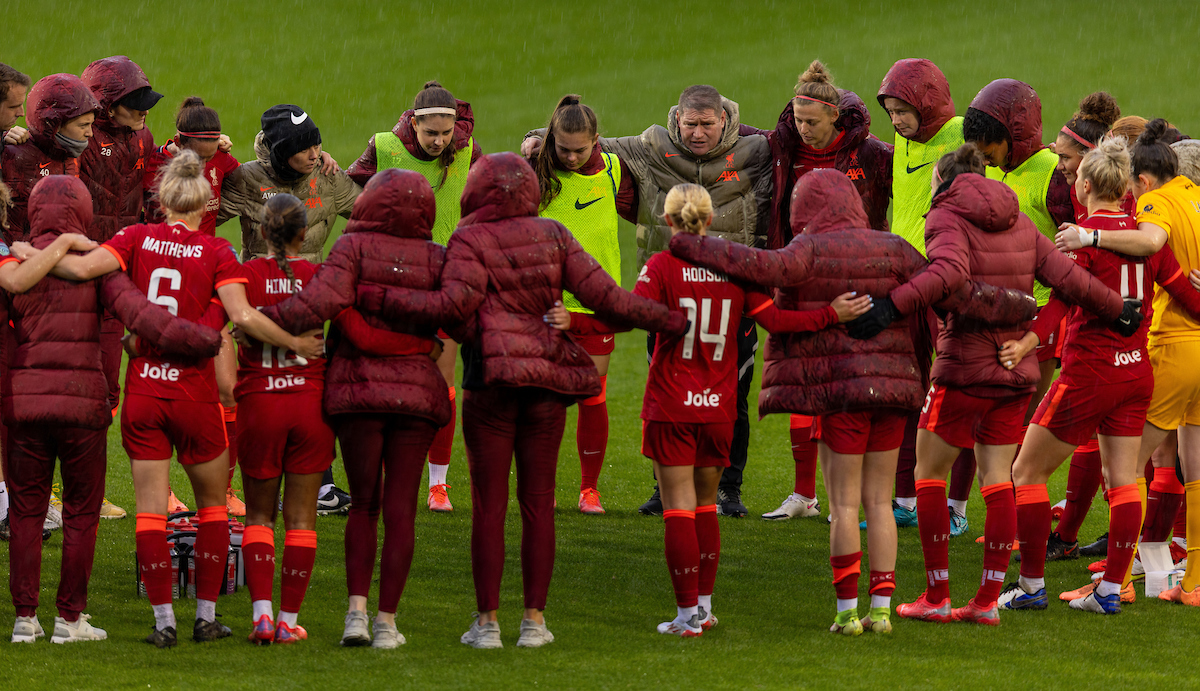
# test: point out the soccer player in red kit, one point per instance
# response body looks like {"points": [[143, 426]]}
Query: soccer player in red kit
{"points": [[171, 403], [1105, 386]]}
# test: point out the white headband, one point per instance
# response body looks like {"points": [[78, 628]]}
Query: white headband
{"points": [[419, 112]]}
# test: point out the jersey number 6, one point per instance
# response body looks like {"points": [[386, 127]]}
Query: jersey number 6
{"points": [[156, 279], [689, 339]]}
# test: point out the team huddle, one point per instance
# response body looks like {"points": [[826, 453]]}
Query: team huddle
{"points": [[1001, 318]]}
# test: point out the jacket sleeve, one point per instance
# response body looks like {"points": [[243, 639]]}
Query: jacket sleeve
{"points": [[789, 266], [627, 194], [989, 305], [1049, 317], [345, 191], [1174, 280], [331, 290], [761, 168], [778, 320], [1058, 199], [361, 170], [168, 333], [630, 149], [1072, 281], [949, 267], [378, 342], [586, 325], [463, 289], [745, 130], [233, 196]]}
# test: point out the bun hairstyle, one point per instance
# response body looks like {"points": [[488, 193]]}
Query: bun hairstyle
{"points": [[816, 85], [965, 159], [5, 202], [283, 218], [1107, 167], [1152, 153], [689, 206], [434, 95], [194, 120], [1097, 113], [182, 188], [570, 117]]}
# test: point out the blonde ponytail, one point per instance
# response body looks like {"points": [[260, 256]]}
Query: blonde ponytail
{"points": [[689, 207], [182, 187]]}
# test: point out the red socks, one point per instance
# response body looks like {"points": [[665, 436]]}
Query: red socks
{"points": [[883, 583], [846, 568], [231, 437], [1083, 479], [258, 553], [1162, 505], [154, 557], [933, 522], [708, 538], [804, 453], [1033, 528], [299, 555], [1124, 517], [999, 531], [591, 436], [1180, 530], [683, 555], [443, 441], [212, 552]]}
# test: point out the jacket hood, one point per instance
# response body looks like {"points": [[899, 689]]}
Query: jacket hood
{"points": [[990, 205], [464, 127], [54, 100], [395, 202], [112, 79], [262, 154], [728, 138], [1017, 106], [854, 121], [825, 200], [919, 83], [499, 186], [59, 204]]}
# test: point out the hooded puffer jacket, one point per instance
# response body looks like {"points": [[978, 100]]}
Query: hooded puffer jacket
{"points": [[114, 164], [387, 242], [920, 84], [53, 101], [976, 231], [860, 155], [464, 126], [247, 189], [55, 375], [505, 267]]}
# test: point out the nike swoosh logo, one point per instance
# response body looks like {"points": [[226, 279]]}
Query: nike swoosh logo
{"points": [[264, 189], [748, 331], [912, 170], [608, 339], [581, 207], [669, 155], [298, 120], [43, 165]]}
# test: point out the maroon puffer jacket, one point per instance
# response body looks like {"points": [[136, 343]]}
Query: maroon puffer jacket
{"points": [[361, 170], [865, 159], [53, 101], [920, 84], [55, 375], [504, 268], [1017, 106], [387, 242], [114, 163], [975, 230]]}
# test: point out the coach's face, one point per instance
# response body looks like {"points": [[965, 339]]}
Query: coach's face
{"points": [[13, 106], [700, 130]]}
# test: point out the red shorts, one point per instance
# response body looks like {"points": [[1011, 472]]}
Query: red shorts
{"points": [[1074, 412], [861, 431], [1054, 347], [597, 344], [151, 427], [703, 445], [963, 420], [283, 433]]}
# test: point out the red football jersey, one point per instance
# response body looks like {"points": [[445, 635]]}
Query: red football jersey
{"points": [[693, 378], [266, 368], [215, 171], [180, 269]]}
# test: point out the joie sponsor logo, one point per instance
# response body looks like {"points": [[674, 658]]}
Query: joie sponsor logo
{"points": [[704, 399]]}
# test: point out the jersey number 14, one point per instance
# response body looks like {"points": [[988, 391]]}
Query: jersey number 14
{"points": [[706, 336]]}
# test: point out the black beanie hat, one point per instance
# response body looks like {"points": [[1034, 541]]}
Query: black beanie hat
{"points": [[287, 130]]}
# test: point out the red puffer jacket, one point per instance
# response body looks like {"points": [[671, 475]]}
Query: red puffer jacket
{"points": [[387, 242], [975, 230], [115, 161], [52, 102], [920, 84], [55, 375], [864, 159], [361, 170], [504, 268]]}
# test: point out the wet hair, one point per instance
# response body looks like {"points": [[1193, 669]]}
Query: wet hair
{"points": [[816, 83], [434, 95], [965, 159], [5, 202], [689, 206], [1188, 152], [1153, 155], [283, 218], [701, 97], [182, 187], [10, 76], [194, 116], [1129, 127], [1097, 113], [1107, 168], [570, 117], [980, 127]]}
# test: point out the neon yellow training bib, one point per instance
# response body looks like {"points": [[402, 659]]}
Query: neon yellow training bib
{"points": [[390, 153], [912, 170], [1030, 181], [587, 206]]}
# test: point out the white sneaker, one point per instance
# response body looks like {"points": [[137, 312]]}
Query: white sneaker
{"points": [[53, 514], [484, 636], [78, 630], [356, 633], [795, 506], [386, 636], [707, 619], [27, 630], [685, 629], [534, 635]]}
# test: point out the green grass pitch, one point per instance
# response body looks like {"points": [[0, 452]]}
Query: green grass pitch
{"points": [[355, 66]]}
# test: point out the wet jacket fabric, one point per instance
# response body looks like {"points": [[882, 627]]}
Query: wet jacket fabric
{"points": [[920, 84], [464, 126]]}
